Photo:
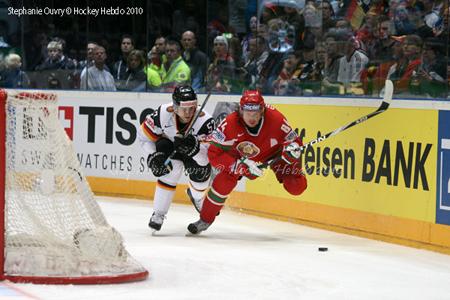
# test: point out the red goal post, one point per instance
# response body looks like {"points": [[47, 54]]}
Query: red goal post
{"points": [[54, 230]]}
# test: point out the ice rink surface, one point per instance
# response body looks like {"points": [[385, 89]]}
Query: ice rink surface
{"points": [[246, 257]]}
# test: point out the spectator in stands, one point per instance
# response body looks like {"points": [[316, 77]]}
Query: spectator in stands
{"points": [[135, 77], [321, 58], [270, 70], [343, 28], [382, 49], [287, 80], [153, 77], [12, 76], [430, 77], [89, 61], [352, 64], [343, 25], [253, 31], [221, 71], [56, 59], [57, 71], [158, 57], [321, 54], [175, 71], [313, 22], [195, 59], [258, 54], [234, 48], [306, 26], [310, 72], [406, 18], [331, 70], [293, 18], [367, 34], [301, 72], [96, 78], [374, 77], [400, 73], [328, 20], [431, 17], [120, 67], [86, 63], [281, 35]]}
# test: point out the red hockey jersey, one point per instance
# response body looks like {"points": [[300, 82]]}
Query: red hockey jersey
{"points": [[232, 139]]}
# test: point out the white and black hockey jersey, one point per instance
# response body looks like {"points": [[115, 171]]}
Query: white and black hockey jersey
{"points": [[163, 123]]}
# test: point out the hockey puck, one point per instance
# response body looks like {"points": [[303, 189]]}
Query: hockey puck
{"points": [[323, 249]]}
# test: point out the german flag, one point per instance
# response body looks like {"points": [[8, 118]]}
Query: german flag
{"points": [[356, 12]]}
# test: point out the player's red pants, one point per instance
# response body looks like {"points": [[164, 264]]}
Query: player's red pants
{"points": [[223, 184]]}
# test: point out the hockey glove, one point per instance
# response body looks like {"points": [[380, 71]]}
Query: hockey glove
{"points": [[291, 152], [188, 145], [246, 167], [155, 162]]}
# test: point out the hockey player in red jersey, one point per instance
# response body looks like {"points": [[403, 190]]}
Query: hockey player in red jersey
{"points": [[258, 133]]}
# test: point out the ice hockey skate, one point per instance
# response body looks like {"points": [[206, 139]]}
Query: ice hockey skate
{"points": [[156, 221], [198, 203], [198, 227]]}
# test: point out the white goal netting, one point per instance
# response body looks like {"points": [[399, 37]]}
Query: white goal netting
{"points": [[53, 226]]}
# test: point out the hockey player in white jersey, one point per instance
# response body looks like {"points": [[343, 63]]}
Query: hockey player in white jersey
{"points": [[160, 134]]}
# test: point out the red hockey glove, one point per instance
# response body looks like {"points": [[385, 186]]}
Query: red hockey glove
{"points": [[246, 167], [291, 152]]}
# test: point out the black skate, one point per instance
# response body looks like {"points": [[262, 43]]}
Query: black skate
{"points": [[156, 221], [197, 227]]}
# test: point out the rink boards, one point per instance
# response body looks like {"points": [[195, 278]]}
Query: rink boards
{"points": [[387, 178]]}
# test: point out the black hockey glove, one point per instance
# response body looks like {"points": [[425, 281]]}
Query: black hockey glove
{"points": [[188, 145], [155, 162]]}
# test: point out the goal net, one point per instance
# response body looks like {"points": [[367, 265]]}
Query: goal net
{"points": [[54, 230]]}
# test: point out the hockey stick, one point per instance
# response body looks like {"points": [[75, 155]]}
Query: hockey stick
{"points": [[186, 132], [387, 98]]}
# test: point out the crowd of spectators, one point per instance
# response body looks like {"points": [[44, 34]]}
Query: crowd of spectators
{"points": [[324, 47]]}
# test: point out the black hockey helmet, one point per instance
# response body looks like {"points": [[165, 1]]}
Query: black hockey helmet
{"points": [[184, 96]]}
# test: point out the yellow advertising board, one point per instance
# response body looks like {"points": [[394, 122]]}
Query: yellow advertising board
{"points": [[386, 165]]}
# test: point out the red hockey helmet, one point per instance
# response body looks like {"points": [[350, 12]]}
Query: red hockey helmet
{"points": [[252, 100]]}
